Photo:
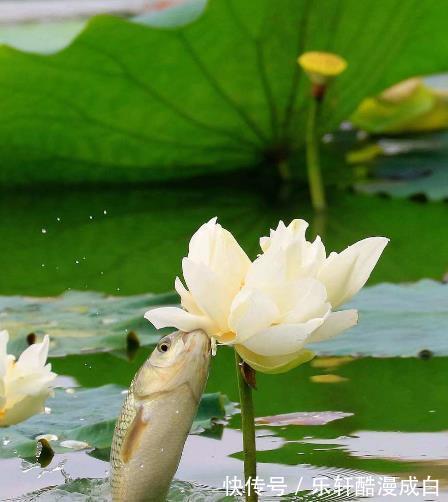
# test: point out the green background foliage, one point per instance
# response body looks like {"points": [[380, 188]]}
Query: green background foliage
{"points": [[129, 102]]}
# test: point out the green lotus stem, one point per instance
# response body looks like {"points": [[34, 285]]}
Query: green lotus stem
{"points": [[317, 190], [248, 429]]}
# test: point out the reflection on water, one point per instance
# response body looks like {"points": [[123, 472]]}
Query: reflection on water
{"points": [[384, 430], [405, 446], [210, 478], [128, 242]]}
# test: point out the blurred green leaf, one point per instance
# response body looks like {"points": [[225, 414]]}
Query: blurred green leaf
{"points": [[88, 416], [80, 321], [127, 102], [409, 106]]}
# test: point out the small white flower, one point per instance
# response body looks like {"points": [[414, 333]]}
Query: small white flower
{"points": [[272, 308], [25, 383]]}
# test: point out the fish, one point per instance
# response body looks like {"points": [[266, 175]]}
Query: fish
{"points": [[156, 417]]}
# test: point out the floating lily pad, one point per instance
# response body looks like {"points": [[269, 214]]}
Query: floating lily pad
{"points": [[302, 418], [330, 362], [80, 321], [396, 320], [327, 378], [50, 28], [87, 417], [408, 167], [228, 96]]}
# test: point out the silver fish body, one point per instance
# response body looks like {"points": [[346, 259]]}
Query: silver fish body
{"points": [[156, 417]]}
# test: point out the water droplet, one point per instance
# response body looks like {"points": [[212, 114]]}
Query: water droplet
{"points": [[58, 219], [47, 410], [44, 230], [142, 465], [43, 265], [105, 211], [102, 273], [90, 217], [77, 262], [161, 450], [6, 441], [118, 289], [177, 412]]}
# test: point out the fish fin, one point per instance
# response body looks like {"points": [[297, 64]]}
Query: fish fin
{"points": [[132, 438]]}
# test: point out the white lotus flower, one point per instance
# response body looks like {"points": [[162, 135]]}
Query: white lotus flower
{"points": [[272, 308], [214, 272], [291, 292], [25, 383]]}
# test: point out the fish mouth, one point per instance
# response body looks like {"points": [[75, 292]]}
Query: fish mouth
{"points": [[196, 341]]}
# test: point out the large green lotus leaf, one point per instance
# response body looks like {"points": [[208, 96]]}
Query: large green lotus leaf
{"points": [[88, 416], [80, 321], [414, 166], [139, 244], [396, 320], [129, 102]]}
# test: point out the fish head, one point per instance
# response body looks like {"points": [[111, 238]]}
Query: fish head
{"points": [[179, 358]]}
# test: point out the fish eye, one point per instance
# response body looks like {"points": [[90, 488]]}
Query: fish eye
{"points": [[163, 345]]}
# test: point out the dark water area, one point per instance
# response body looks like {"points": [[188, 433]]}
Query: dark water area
{"points": [[125, 242]]}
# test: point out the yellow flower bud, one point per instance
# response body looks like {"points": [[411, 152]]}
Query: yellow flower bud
{"points": [[321, 67]]}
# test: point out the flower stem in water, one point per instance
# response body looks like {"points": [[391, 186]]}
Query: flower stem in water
{"points": [[317, 190], [248, 429]]}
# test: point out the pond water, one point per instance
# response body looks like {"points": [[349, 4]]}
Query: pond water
{"points": [[397, 427], [131, 241]]}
